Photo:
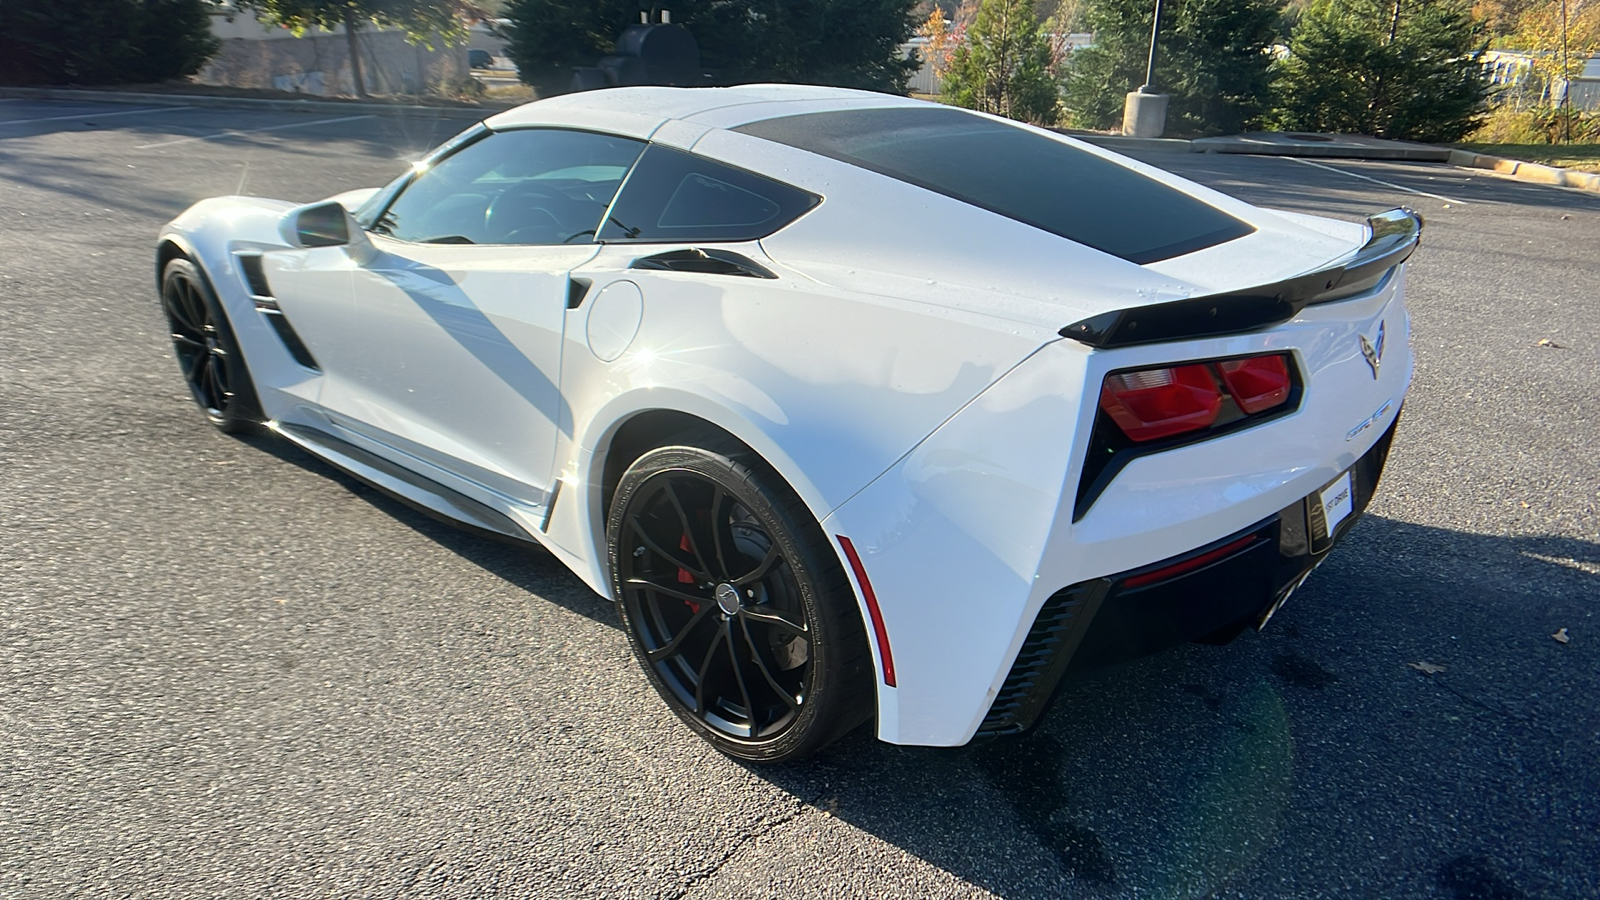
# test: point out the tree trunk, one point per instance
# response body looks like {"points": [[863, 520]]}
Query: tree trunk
{"points": [[350, 26]]}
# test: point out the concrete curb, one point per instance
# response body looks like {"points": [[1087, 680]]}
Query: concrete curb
{"points": [[312, 106], [1119, 142], [1324, 147], [1246, 144], [1535, 173]]}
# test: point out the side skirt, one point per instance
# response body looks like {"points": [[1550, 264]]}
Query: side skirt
{"points": [[407, 486]]}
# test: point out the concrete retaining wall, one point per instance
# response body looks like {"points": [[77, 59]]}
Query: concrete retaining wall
{"points": [[318, 63]]}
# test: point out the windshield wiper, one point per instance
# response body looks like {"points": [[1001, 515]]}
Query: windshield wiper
{"points": [[450, 239]]}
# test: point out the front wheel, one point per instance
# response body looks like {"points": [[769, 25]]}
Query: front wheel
{"points": [[207, 352], [735, 604]]}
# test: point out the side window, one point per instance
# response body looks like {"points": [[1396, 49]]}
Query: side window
{"points": [[674, 196], [526, 186]]}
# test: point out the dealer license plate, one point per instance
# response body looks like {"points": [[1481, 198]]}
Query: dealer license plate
{"points": [[1338, 502]]}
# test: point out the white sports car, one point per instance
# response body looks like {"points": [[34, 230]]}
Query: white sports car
{"points": [[859, 407]]}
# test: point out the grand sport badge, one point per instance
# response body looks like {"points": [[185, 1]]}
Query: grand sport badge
{"points": [[1375, 417]]}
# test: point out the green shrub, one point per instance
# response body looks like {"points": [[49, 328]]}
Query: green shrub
{"points": [[103, 41], [1384, 69], [1003, 67], [1538, 125], [1212, 60]]}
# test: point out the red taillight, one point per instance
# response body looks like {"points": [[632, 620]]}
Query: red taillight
{"points": [[1157, 403], [1150, 404], [1258, 383]]}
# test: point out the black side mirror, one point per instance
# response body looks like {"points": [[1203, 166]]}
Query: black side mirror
{"points": [[321, 225]]}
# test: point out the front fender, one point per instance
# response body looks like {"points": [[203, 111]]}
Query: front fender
{"points": [[211, 233]]}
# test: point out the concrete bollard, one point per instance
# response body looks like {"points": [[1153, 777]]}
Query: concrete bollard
{"points": [[1144, 115]]}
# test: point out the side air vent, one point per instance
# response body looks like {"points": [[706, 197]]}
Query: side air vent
{"points": [[254, 277], [1043, 659], [291, 341], [255, 280]]}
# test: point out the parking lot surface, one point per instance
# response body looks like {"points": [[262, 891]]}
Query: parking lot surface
{"points": [[231, 670]]}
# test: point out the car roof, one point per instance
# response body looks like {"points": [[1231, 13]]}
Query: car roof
{"points": [[642, 108]]}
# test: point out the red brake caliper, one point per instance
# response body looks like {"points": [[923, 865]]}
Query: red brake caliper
{"points": [[684, 576]]}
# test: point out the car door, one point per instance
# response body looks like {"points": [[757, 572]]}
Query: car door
{"points": [[461, 307]]}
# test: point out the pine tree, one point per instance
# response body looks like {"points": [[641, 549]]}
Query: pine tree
{"points": [[103, 41], [846, 43], [1003, 68], [1390, 68], [1212, 59]]}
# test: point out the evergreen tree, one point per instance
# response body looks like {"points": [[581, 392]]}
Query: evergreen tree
{"points": [[103, 41], [1002, 68], [1390, 68], [846, 43], [1212, 59]]}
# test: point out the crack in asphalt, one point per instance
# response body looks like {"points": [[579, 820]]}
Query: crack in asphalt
{"points": [[695, 880]]}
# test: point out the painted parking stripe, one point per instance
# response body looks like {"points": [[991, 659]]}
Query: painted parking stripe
{"points": [[96, 115], [227, 134], [1387, 184]]}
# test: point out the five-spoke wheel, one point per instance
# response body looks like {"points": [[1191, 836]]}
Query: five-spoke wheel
{"points": [[734, 604]]}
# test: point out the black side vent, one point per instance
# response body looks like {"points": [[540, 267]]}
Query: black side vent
{"points": [[254, 277], [291, 340], [1043, 659]]}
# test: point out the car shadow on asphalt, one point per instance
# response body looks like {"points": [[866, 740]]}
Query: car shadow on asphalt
{"points": [[528, 566], [1276, 762], [1263, 765]]}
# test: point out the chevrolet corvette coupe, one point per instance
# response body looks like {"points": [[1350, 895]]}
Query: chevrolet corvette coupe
{"points": [[858, 407]]}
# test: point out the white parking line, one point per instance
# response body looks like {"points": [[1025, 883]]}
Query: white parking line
{"points": [[1388, 184], [96, 115], [225, 134]]}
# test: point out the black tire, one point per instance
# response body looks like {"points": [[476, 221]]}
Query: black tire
{"points": [[207, 352], [735, 604]]}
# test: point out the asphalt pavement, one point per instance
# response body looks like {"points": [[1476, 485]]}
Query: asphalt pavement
{"points": [[230, 670]]}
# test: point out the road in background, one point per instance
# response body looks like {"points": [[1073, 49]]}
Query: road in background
{"points": [[231, 669]]}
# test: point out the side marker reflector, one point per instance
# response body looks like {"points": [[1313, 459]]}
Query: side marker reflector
{"points": [[878, 629], [1188, 565]]}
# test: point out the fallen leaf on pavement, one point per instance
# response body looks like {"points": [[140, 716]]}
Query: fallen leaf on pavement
{"points": [[1546, 342], [1426, 668], [1561, 636]]}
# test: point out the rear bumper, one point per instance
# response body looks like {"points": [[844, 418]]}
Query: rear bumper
{"points": [[1209, 594], [970, 535]]}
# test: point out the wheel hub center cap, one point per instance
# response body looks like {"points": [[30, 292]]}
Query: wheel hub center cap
{"points": [[727, 598]]}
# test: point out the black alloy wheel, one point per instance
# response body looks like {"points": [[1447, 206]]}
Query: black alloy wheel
{"points": [[735, 604], [208, 354]]}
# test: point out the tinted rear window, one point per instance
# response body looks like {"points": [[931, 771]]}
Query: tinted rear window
{"points": [[1017, 173]]}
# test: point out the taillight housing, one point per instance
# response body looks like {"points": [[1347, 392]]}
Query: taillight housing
{"points": [[1257, 383], [1149, 404], [1167, 401], [1156, 408]]}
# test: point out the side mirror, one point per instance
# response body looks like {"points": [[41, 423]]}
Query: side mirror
{"points": [[326, 224]]}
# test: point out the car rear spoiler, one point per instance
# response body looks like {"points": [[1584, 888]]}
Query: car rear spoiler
{"points": [[1394, 235]]}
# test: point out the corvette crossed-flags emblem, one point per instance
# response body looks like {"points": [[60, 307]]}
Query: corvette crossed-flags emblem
{"points": [[1373, 350]]}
